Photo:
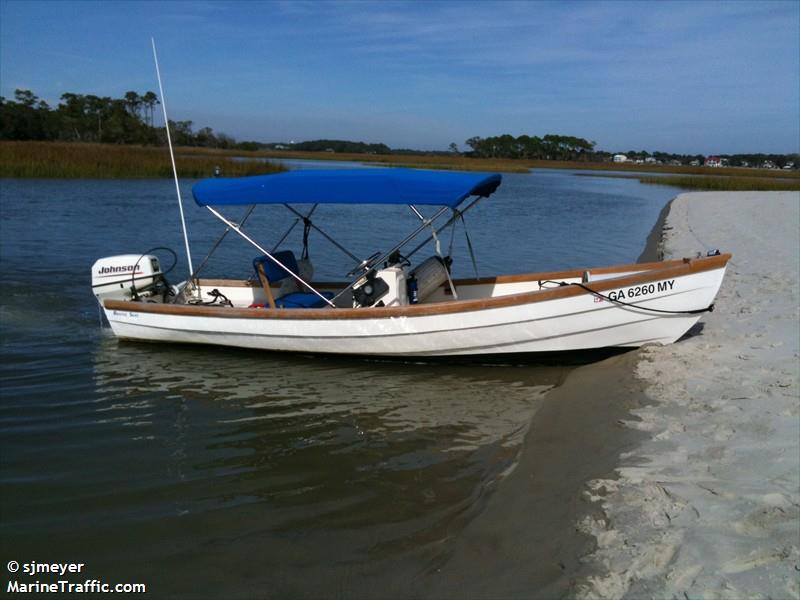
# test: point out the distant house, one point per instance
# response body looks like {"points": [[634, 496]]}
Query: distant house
{"points": [[651, 161], [713, 161], [280, 147], [620, 158], [695, 163]]}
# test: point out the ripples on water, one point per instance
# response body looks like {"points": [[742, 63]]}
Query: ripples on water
{"points": [[202, 470]]}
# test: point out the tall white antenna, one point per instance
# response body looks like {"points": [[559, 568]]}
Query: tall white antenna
{"points": [[172, 157]]}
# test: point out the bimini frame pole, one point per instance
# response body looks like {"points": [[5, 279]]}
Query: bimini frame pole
{"points": [[381, 257], [203, 262], [253, 243], [450, 221], [172, 157]]}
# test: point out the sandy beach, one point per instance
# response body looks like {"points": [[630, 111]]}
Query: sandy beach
{"points": [[708, 504]]}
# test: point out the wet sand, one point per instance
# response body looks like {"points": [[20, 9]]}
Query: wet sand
{"points": [[526, 544]]}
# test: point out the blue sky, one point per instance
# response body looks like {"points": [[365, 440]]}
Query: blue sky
{"points": [[707, 77]]}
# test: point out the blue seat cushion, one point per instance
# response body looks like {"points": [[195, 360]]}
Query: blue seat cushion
{"points": [[273, 272], [303, 300]]}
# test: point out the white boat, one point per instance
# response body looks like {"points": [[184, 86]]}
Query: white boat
{"points": [[394, 305]]}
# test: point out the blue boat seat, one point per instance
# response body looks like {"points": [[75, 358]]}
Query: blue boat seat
{"points": [[302, 300], [268, 271], [272, 271]]}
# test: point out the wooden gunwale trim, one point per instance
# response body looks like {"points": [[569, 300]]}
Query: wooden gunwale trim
{"points": [[671, 270], [517, 278]]}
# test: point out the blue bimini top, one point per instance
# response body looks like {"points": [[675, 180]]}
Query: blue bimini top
{"points": [[348, 186]]}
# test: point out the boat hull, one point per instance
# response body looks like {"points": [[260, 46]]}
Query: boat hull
{"points": [[556, 319]]}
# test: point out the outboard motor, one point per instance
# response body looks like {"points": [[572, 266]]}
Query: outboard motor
{"points": [[127, 276]]}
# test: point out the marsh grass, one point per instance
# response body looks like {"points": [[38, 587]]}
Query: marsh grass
{"points": [[108, 161], [61, 160], [715, 172], [730, 183], [506, 165], [454, 162]]}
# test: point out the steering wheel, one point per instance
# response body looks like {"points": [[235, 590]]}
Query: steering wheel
{"points": [[364, 264]]}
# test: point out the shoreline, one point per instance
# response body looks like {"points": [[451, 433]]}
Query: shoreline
{"points": [[537, 550], [654, 245], [526, 540]]}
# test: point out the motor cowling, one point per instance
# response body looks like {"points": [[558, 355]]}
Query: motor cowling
{"points": [[430, 274], [126, 276]]}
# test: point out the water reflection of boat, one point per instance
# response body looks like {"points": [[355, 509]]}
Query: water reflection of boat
{"points": [[323, 443], [383, 397], [392, 306]]}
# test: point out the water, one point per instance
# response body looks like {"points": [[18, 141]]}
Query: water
{"points": [[214, 472]]}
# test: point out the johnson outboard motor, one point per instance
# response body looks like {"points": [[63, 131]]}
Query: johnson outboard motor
{"points": [[127, 276]]}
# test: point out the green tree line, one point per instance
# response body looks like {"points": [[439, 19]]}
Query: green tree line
{"points": [[569, 148], [549, 147], [89, 118]]}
